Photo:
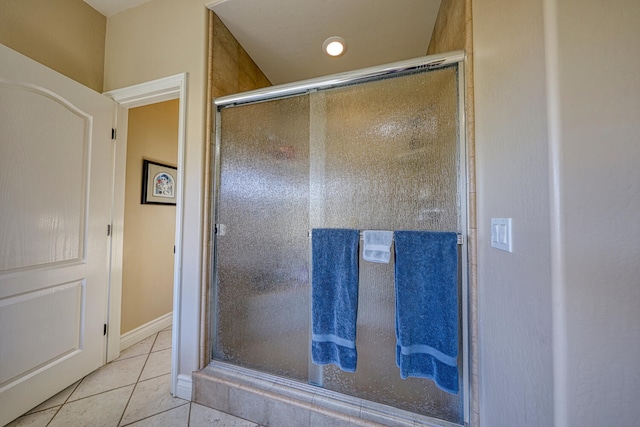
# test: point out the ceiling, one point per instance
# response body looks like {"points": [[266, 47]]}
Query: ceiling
{"points": [[284, 37], [111, 7]]}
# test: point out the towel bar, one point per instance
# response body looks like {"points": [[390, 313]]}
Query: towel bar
{"points": [[460, 237], [221, 230]]}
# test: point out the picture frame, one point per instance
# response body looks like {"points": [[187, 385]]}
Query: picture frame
{"points": [[159, 183]]}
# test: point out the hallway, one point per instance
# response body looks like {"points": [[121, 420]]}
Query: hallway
{"points": [[133, 390]]}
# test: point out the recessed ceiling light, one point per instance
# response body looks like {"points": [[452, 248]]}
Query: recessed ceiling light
{"points": [[334, 46]]}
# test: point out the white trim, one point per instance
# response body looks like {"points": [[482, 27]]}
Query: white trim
{"points": [[141, 332], [164, 89], [561, 387], [147, 93], [184, 387], [114, 297]]}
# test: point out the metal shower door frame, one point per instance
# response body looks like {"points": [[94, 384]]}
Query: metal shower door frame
{"points": [[426, 63]]}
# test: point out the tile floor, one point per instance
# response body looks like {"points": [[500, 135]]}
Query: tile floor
{"points": [[133, 390]]}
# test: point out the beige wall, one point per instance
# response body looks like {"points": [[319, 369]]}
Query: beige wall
{"points": [[65, 35], [516, 360], [594, 58], [149, 230], [158, 39], [557, 123]]}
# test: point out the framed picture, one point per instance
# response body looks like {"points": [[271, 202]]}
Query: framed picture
{"points": [[158, 183]]}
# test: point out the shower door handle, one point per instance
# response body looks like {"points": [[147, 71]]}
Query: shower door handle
{"points": [[221, 229]]}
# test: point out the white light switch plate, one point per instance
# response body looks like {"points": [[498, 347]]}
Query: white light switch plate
{"points": [[501, 234]]}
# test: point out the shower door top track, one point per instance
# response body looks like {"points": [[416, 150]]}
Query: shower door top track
{"points": [[287, 89]]}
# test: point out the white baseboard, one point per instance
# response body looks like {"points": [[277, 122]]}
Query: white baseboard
{"points": [[141, 332], [184, 387]]}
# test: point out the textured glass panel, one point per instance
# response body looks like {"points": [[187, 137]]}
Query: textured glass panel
{"points": [[262, 300], [391, 153], [388, 160]]}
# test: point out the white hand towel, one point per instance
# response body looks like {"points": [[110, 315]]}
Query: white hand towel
{"points": [[377, 246]]}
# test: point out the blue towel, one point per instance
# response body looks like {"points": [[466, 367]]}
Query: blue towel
{"points": [[426, 281], [334, 297]]}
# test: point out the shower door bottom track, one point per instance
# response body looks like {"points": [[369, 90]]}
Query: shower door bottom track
{"points": [[270, 400]]}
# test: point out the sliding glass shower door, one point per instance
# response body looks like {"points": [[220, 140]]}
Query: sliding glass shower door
{"points": [[262, 297], [382, 154]]}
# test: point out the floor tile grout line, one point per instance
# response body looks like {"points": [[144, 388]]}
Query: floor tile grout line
{"points": [[138, 355], [189, 417], [124, 410], [54, 415], [32, 411], [155, 377], [158, 413], [162, 349], [66, 400], [120, 359], [138, 380]]}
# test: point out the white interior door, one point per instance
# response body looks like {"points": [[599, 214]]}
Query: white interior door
{"points": [[56, 181]]}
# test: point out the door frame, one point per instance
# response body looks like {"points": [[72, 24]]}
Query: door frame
{"points": [[152, 92]]}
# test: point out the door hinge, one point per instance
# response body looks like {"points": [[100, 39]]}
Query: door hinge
{"points": [[174, 249], [105, 329], [113, 133], [108, 229]]}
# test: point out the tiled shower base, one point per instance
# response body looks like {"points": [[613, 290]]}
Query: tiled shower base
{"points": [[273, 401]]}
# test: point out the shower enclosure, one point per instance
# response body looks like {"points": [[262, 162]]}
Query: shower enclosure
{"points": [[382, 148]]}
